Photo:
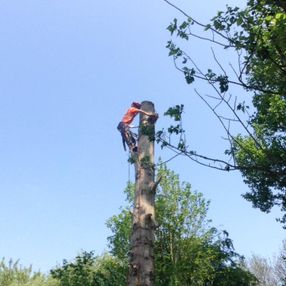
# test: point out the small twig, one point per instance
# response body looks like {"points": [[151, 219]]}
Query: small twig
{"points": [[208, 39], [196, 22], [213, 97], [218, 63], [228, 119], [173, 157], [192, 156], [233, 69]]}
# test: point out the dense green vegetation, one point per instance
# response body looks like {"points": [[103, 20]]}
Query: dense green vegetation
{"points": [[90, 270], [188, 251], [13, 274]]}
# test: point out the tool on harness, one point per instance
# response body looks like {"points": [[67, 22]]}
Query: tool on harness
{"points": [[128, 137]]}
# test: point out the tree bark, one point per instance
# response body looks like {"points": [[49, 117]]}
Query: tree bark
{"points": [[141, 256]]}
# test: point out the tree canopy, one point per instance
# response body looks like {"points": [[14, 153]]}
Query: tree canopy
{"points": [[188, 251], [13, 274], [90, 270], [257, 36]]}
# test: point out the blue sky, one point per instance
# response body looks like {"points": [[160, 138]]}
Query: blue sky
{"points": [[69, 69]]}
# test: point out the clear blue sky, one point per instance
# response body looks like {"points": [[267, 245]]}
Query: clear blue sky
{"points": [[68, 71]]}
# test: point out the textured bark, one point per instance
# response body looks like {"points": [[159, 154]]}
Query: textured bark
{"points": [[141, 257]]}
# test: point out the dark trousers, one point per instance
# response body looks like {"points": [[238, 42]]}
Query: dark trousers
{"points": [[127, 137]]}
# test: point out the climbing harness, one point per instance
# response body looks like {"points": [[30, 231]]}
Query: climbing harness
{"points": [[128, 137]]}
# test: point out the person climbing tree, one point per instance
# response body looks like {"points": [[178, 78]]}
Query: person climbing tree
{"points": [[125, 124]]}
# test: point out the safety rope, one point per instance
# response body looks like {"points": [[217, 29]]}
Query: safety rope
{"points": [[129, 166]]}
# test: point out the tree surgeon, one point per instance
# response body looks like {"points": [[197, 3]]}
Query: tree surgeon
{"points": [[125, 125]]}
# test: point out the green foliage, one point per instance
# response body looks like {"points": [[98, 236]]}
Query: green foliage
{"points": [[262, 156], [148, 130], [120, 226], [181, 30], [257, 34], [132, 159], [145, 163], [187, 250], [164, 138], [13, 274], [175, 112], [189, 74], [89, 270], [174, 50], [267, 174], [223, 83], [222, 80]]}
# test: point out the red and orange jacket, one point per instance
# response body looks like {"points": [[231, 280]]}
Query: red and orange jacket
{"points": [[129, 115]]}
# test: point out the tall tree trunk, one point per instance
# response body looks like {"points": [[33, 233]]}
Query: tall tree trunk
{"points": [[141, 257]]}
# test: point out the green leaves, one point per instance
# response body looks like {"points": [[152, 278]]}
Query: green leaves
{"points": [[182, 29], [176, 129], [242, 107], [223, 83], [148, 130], [189, 74], [145, 163], [187, 250], [262, 168], [173, 26], [175, 112], [90, 270], [173, 50], [222, 80], [12, 274], [257, 34]]}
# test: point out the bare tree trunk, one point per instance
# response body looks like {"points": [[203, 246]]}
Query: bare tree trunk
{"points": [[141, 258]]}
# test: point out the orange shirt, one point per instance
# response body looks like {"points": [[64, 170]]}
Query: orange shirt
{"points": [[129, 115]]}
